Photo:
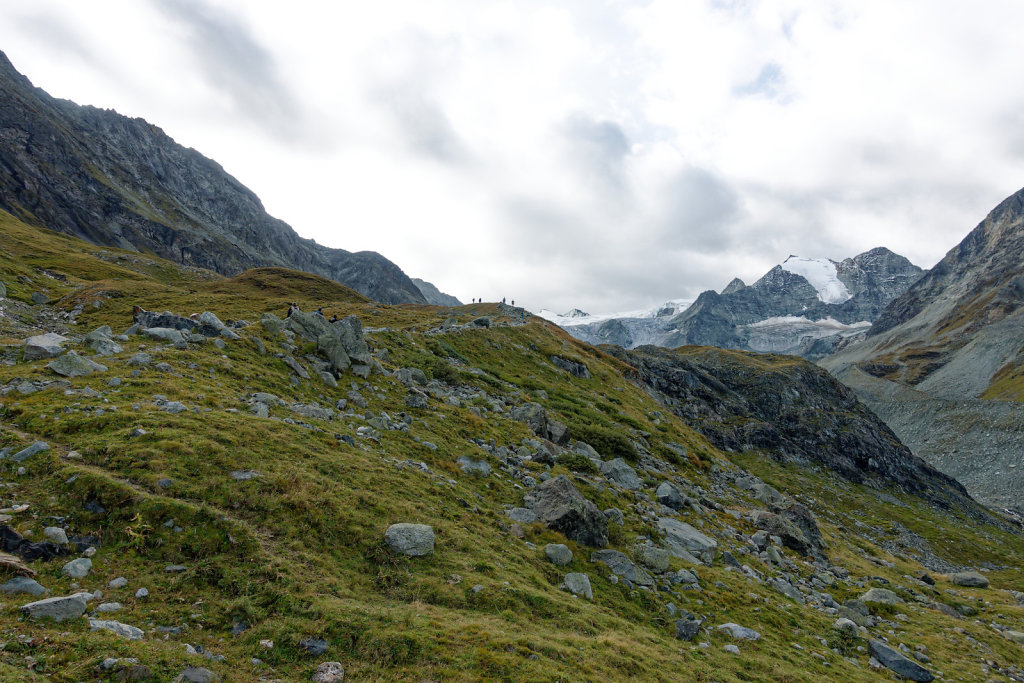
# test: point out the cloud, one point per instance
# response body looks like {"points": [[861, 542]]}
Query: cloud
{"points": [[597, 150], [58, 35], [236, 64]]}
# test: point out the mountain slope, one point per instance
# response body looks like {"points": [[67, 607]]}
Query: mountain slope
{"points": [[433, 295], [247, 480], [946, 346], [122, 182], [804, 307]]}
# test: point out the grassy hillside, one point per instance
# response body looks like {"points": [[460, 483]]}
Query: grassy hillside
{"points": [[278, 521]]}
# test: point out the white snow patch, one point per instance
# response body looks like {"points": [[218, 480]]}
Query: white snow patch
{"points": [[824, 324], [822, 275]]}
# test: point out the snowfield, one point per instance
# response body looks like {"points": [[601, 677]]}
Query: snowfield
{"points": [[822, 275]]}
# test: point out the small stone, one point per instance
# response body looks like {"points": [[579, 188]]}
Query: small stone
{"points": [[26, 453], [739, 632], [896, 662], [23, 584], [313, 646], [175, 568], [73, 365], [196, 674], [328, 672], [688, 626], [731, 648], [109, 607], [78, 569], [142, 593]]}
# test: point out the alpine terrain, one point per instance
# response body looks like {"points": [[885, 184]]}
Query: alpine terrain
{"points": [[804, 307], [943, 365], [204, 482]]}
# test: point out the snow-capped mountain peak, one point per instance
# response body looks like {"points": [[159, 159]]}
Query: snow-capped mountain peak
{"points": [[822, 275]]}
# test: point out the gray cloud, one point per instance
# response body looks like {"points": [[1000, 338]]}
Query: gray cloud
{"points": [[236, 63], [426, 128], [699, 208], [597, 150], [57, 34]]}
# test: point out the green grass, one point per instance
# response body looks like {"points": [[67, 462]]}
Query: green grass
{"points": [[298, 551]]}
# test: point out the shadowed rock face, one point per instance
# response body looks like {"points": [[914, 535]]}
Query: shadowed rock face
{"points": [[789, 408], [123, 182]]}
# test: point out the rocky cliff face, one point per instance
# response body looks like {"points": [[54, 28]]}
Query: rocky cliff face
{"points": [[789, 408], [802, 307], [116, 181], [433, 295], [950, 342]]}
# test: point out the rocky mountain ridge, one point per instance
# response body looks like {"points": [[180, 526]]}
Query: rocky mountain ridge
{"points": [[941, 353], [123, 182], [805, 307]]}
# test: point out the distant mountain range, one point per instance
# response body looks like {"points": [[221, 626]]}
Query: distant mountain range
{"points": [[123, 182], [944, 363], [806, 307]]}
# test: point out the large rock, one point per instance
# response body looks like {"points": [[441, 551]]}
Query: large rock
{"points": [[654, 558], [683, 541], [196, 674], [558, 553], [47, 345], [739, 632], [538, 420], [896, 662], [328, 672], [622, 566], [23, 584], [78, 569], [969, 580], [73, 365], [796, 526], [619, 472], [100, 341], [30, 450], [117, 628], [561, 507], [59, 608], [668, 494], [167, 334], [761, 491], [578, 584], [414, 540], [882, 596], [688, 626]]}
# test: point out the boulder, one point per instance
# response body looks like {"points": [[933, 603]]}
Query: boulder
{"points": [[969, 580], [414, 540], [578, 584], [761, 491], [167, 334], [271, 323], [22, 584], [196, 674], [561, 507], [27, 452], [73, 365], [620, 473], [558, 553], [654, 558], [59, 608], [100, 341], [43, 346], [572, 367], [739, 632], [622, 566], [668, 495], [473, 466], [117, 628], [688, 626], [78, 569], [56, 534], [683, 541], [796, 527], [882, 596], [896, 662]]}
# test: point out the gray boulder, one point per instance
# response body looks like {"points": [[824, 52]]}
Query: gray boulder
{"points": [[43, 346], [59, 608], [969, 580], [620, 473], [761, 491], [56, 534], [882, 596], [27, 452], [683, 541], [894, 661], [796, 526], [668, 495], [73, 365], [414, 540], [23, 584], [196, 674], [578, 584], [167, 334], [739, 632], [473, 466], [688, 626], [654, 558], [561, 507], [271, 323], [39, 298], [78, 569], [100, 341], [117, 628], [622, 566], [558, 553], [522, 515], [411, 376]]}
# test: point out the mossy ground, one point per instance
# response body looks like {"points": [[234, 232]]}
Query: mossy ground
{"points": [[297, 552]]}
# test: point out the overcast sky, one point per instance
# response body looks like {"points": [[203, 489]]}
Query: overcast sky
{"points": [[606, 155]]}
